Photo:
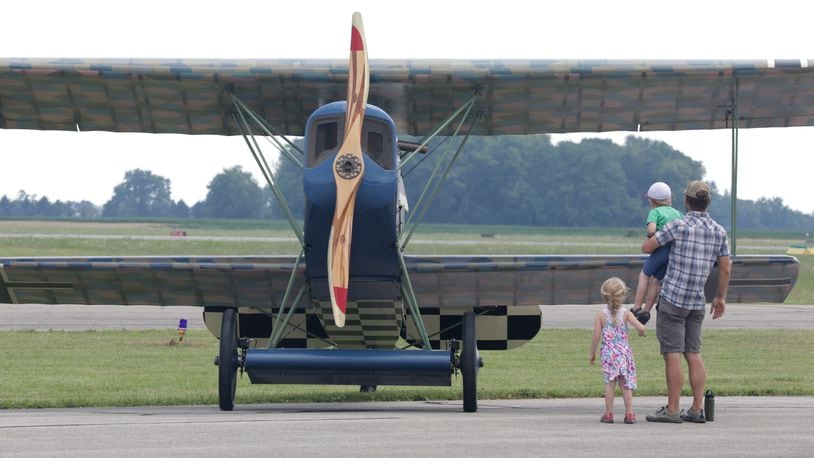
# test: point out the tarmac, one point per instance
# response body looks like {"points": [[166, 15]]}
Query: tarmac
{"points": [[743, 426], [85, 317]]}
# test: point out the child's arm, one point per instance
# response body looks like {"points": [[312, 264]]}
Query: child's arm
{"points": [[631, 318], [595, 338], [651, 229]]}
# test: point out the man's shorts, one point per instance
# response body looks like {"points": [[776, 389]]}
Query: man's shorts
{"points": [[678, 329], [656, 263]]}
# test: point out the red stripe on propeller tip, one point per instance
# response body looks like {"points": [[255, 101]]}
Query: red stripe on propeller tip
{"points": [[356, 43], [341, 296]]}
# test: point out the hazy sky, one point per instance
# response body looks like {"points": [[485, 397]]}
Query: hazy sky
{"points": [[86, 166]]}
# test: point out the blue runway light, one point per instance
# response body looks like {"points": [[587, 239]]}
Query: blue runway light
{"points": [[182, 329]]}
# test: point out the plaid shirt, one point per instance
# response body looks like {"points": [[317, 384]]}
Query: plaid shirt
{"points": [[698, 242]]}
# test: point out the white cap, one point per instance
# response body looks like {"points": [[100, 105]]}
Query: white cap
{"points": [[659, 191]]}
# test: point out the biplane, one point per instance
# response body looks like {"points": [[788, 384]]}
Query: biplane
{"points": [[351, 307]]}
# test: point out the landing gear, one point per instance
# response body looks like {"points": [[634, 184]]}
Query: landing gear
{"points": [[228, 360], [470, 363]]}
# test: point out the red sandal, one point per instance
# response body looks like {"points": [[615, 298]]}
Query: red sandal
{"points": [[607, 418]]}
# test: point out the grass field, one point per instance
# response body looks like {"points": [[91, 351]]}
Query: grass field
{"points": [[64, 369], [274, 237], [125, 368]]}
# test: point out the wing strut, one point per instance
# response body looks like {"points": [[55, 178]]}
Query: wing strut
{"points": [[241, 111], [465, 107], [278, 325], [423, 205], [409, 295], [271, 133], [734, 177], [268, 174]]}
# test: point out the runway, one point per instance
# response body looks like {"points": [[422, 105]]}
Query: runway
{"points": [[86, 317], [549, 427]]}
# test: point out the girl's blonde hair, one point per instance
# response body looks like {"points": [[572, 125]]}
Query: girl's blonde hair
{"points": [[614, 292]]}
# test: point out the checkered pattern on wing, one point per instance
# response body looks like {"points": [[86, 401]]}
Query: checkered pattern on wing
{"points": [[256, 324], [498, 327]]}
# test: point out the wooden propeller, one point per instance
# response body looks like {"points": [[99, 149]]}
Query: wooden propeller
{"points": [[349, 168]]}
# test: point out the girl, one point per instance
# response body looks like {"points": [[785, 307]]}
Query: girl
{"points": [[616, 357]]}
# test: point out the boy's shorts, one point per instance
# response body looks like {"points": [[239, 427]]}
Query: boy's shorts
{"points": [[656, 263], [678, 330]]}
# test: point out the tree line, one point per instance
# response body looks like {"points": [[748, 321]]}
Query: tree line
{"points": [[232, 193], [509, 180]]}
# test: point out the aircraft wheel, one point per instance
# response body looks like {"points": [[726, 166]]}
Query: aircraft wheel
{"points": [[227, 360], [470, 363]]}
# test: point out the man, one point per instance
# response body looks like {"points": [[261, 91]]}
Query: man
{"points": [[699, 242]]}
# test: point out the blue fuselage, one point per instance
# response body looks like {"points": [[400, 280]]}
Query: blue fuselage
{"points": [[374, 264]]}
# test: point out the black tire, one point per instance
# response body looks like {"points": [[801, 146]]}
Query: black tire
{"points": [[470, 362], [227, 360]]}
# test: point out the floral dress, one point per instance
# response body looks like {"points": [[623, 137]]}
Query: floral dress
{"points": [[615, 354]]}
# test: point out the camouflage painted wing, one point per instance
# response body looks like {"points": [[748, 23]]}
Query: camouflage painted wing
{"points": [[506, 292], [517, 96], [447, 282], [195, 281]]}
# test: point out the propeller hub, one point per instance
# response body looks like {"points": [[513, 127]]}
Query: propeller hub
{"points": [[348, 166]]}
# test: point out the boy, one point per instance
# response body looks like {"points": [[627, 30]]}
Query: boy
{"points": [[661, 212]]}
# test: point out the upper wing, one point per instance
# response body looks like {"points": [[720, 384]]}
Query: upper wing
{"points": [[467, 281], [517, 97], [203, 281]]}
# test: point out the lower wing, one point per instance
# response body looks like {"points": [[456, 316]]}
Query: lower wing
{"points": [[465, 281], [439, 281]]}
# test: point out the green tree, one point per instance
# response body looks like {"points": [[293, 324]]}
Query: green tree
{"points": [[527, 180], [234, 193], [181, 209], [140, 194], [289, 179], [84, 209], [5, 206]]}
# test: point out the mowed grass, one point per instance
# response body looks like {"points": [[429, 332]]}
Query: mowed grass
{"points": [[129, 368], [430, 239], [84, 247], [120, 368], [803, 292]]}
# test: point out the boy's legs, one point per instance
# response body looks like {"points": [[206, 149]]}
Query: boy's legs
{"points": [[655, 268], [641, 291], [653, 288]]}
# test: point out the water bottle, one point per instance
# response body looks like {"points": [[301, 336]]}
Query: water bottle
{"points": [[709, 405]]}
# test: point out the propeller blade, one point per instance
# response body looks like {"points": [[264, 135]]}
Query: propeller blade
{"points": [[349, 168]]}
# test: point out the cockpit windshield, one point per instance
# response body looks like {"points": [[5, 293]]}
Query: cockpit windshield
{"points": [[326, 136]]}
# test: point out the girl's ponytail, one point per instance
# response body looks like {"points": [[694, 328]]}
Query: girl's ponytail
{"points": [[614, 292]]}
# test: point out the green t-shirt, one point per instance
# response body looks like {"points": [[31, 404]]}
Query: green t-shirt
{"points": [[663, 215]]}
